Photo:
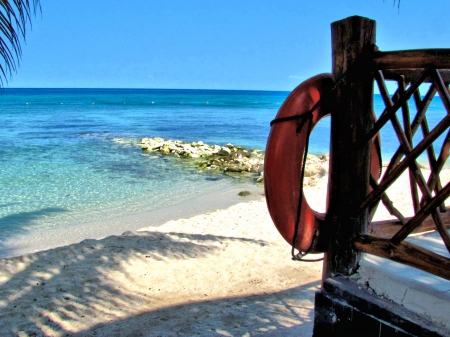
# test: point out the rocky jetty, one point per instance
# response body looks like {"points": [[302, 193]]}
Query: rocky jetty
{"points": [[229, 159], [212, 158]]}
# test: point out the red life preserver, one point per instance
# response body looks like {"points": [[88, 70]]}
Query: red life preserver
{"points": [[284, 161]]}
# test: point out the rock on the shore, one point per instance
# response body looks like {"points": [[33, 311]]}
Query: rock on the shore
{"points": [[244, 193], [229, 159], [316, 167], [214, 158]]}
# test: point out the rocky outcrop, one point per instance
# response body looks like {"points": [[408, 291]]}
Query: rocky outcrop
{"points": [[212, 158], [229, 159], [316, 167]]}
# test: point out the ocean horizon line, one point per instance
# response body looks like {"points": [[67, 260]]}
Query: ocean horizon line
{"points": [[145, 89], [166, 90]]}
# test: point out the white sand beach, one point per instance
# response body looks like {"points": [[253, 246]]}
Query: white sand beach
{"points": [[225, 273]]}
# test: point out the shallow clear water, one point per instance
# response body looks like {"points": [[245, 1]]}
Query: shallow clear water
{"points": [[61, 168]]}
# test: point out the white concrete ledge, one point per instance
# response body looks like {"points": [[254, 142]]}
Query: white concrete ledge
{"points": [[416, 290]]}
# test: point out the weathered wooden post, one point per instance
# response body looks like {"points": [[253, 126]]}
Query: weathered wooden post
{"points": [[353, 41]]}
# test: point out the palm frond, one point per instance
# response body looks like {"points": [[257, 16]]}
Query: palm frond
{"points": [[15, 15], [395, 1]]}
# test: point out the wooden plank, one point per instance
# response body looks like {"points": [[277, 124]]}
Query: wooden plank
{"points": [[388, 112], [440, 162], [422, 106], [374, 196], [405, 253], [434, 181], [440, 227], [415, 222], [411, 75], [405, 139], [388, 203], [414, 171], [442, 89], [409, 135], [412, 59], [388, 228]]}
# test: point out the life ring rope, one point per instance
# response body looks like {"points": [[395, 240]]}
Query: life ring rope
{"points": [[299, 256], [306, 117], [309, 118]]}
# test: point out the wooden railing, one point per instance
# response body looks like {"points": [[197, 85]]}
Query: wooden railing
{"points": [[353, 194], [429, 208]]}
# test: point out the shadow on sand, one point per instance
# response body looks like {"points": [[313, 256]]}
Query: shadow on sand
{"points": [[272, 314], [73, 291]]}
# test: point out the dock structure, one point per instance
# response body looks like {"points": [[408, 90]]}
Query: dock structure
{"points": [[380, 278]]}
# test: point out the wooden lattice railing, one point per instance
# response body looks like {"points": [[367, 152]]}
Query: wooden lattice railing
{"points": [[409, 70]]}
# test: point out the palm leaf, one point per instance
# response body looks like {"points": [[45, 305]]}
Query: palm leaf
{"points": [[14, 17]]}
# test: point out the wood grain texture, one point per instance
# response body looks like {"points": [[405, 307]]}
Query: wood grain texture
{"points": [[405, 253]]}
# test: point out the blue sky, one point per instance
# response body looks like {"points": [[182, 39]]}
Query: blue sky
{"points": [[209, 44]]}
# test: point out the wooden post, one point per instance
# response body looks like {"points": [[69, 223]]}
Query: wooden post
{"points": [[349, 164]]}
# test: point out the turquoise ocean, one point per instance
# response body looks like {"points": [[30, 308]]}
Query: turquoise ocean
{"points": [[65, 177]]}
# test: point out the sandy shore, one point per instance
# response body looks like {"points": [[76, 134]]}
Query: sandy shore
{"points": [[225, 273], [107, 222]]}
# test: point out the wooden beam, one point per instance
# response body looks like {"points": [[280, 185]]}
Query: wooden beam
{"points": [[429, 208], [411, 75], [401, 167], [412, 59], [405, 253], [387, 113], [386, 229]]}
